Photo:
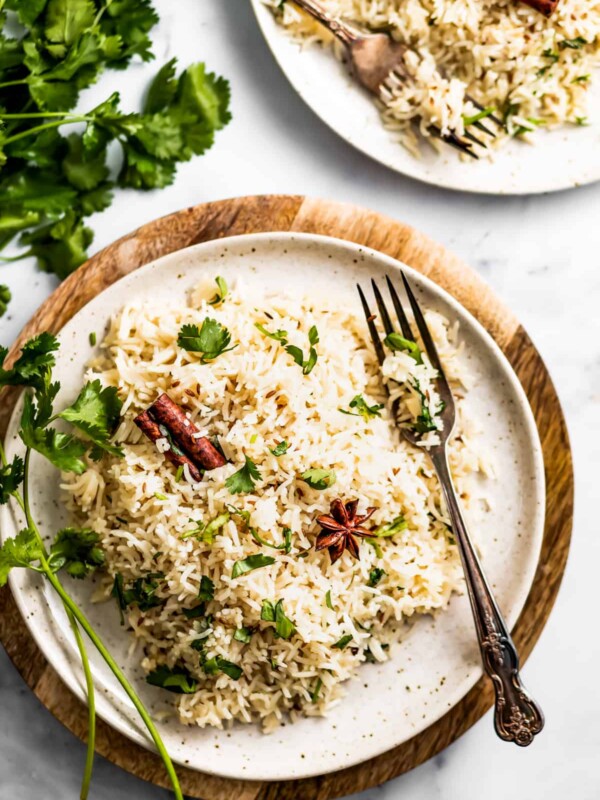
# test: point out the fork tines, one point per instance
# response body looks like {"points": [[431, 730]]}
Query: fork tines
{"points": [[402, 320]]}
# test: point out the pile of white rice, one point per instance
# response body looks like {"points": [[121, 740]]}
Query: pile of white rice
{"points": [[252, 398], [535, 72]]}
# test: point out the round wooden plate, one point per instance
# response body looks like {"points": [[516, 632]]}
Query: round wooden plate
{"points": [[293, 213]]}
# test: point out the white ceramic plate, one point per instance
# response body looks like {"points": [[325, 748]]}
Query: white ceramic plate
{"points": [[438, 662], [561, 159]]}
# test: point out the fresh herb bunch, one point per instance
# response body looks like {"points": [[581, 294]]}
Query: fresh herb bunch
{"points": [[49, 183], [92, 419]]}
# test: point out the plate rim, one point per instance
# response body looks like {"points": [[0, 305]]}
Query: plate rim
{"points": [[262, 13], [533, 435]]}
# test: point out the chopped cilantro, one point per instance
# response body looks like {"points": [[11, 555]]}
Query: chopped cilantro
{"points": [[177, 680], [221, 292], [375, 575], [362, 408], [251, 563], [343, 642], [390, 528], [243, 635], [319, 478], [396, 342], [211, 340], [314, 695], [244, 479], [280, 449]]}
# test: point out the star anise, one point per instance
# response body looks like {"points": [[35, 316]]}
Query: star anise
{"points": [[339, 531]]}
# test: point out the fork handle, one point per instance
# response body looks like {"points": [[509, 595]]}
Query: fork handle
{"points": [[518, 718], [342, 32]]}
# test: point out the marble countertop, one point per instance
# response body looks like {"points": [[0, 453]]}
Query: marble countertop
{"points": [[540, 254]]}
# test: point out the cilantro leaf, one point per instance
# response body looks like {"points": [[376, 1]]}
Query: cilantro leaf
{"points": [[221, 293], [217, 664], [244, 479], [5, 298], [314, 695], [11, 477], [207, 589], [267, 612], [343, 642], [396, 342], [278, 335], [319, 478], [251, 563], [363, 409], [63, 450], [375, 575], [21, 551], [243, 635], [34, 365], [96, 413], [142, 592], [284, 627], [77, 551], [280, 449], [177, 680], [390, 528], [211, 340]]}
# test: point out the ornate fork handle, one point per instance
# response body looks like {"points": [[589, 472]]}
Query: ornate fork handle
{"points": [[342, 32], [518, 718]]}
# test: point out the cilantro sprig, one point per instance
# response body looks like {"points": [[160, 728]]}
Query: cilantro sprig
{"points": [[49, 182], [244, 479], [307, 363], [211, 340], [77, 553], [363, 409]]}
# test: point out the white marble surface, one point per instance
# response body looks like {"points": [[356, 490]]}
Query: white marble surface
{"points": [[541, 256]]}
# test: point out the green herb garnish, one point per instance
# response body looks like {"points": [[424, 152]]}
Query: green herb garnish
{"points": [[286, 545], [343, 642], [328, 602], [280, 449], [215, 665], [251, 563], [573, 44], [243, 635], [396, 342], [92, 339], [221, 292], [211, 340], [77, 551], [319, 478], [177, 680], [362, 408], [284, 627], [244, 479], [390, 528], [296, 353], [5, 298], [314, 695], [375, 575]]}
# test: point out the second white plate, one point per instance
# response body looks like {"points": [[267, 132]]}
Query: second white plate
{"points": [[561, 159]]}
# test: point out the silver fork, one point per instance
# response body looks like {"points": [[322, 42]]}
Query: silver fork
{"points": [[377, 61], [518, 718]]}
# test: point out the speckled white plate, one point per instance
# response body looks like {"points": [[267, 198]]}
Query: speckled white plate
{"points": [[561, 159], [438, 662]]}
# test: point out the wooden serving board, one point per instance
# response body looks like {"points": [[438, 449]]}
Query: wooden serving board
{"points": [[294, 213]]}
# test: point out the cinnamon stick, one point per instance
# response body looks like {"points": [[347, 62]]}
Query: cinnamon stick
{"points": [[545, 7], [151, 429], [199, 449]]}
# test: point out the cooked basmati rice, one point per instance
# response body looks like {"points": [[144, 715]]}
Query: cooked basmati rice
{"points": [[535, 72], [252, 398]]}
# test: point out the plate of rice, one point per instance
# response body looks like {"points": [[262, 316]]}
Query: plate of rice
{"points": [[538, 75], [261, 655]]}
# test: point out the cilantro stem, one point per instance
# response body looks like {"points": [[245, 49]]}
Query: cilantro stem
{"points": [[91, 699], [20, 82], [38, 128], [84, 623]]}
